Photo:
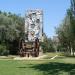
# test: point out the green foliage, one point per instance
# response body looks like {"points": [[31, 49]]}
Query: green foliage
{"points": [[44, 47], [3, 50], [66, 33], [50, 45], [11, 28], [47, 45], [2, 47]]}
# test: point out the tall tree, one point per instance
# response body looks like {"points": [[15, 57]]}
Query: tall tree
{"points": [[66, 32], [11, 28]]}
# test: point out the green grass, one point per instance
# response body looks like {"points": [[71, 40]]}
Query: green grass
{"points": [[50, 55], [58, 66]]}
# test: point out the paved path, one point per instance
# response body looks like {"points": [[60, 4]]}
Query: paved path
{"points": [[30, 58], [54, 57]]}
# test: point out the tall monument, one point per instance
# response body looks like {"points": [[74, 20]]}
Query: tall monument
{"points": [[34, 25]]}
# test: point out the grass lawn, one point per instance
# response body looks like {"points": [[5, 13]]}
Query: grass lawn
{"points": [[57, 66]]}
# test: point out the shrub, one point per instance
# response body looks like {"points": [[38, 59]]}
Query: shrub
{"points": [[44, 47], [3, 50]]}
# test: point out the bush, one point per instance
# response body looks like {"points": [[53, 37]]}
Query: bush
{"points": [[44, 47], [47, 47], [3, 50]]}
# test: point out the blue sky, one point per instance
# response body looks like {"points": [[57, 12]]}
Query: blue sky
{"points": [[54, 11]]}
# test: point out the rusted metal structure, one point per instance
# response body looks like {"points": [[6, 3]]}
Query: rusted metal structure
{"points": [[33, 33], [29, 48]]}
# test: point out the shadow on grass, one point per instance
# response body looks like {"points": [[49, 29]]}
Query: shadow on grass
{"points": [[54, 68]]}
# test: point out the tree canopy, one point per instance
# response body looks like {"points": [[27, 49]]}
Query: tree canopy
{"points": [[11, 28]]}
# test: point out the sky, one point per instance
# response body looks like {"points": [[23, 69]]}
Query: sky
{"points": [[54, 11]]}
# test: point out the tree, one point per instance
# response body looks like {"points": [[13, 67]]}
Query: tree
{"points": [[47, 45], [11, 28], [66, 33]]}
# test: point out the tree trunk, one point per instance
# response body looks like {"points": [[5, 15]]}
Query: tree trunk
{"points": [[71, 51]]}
